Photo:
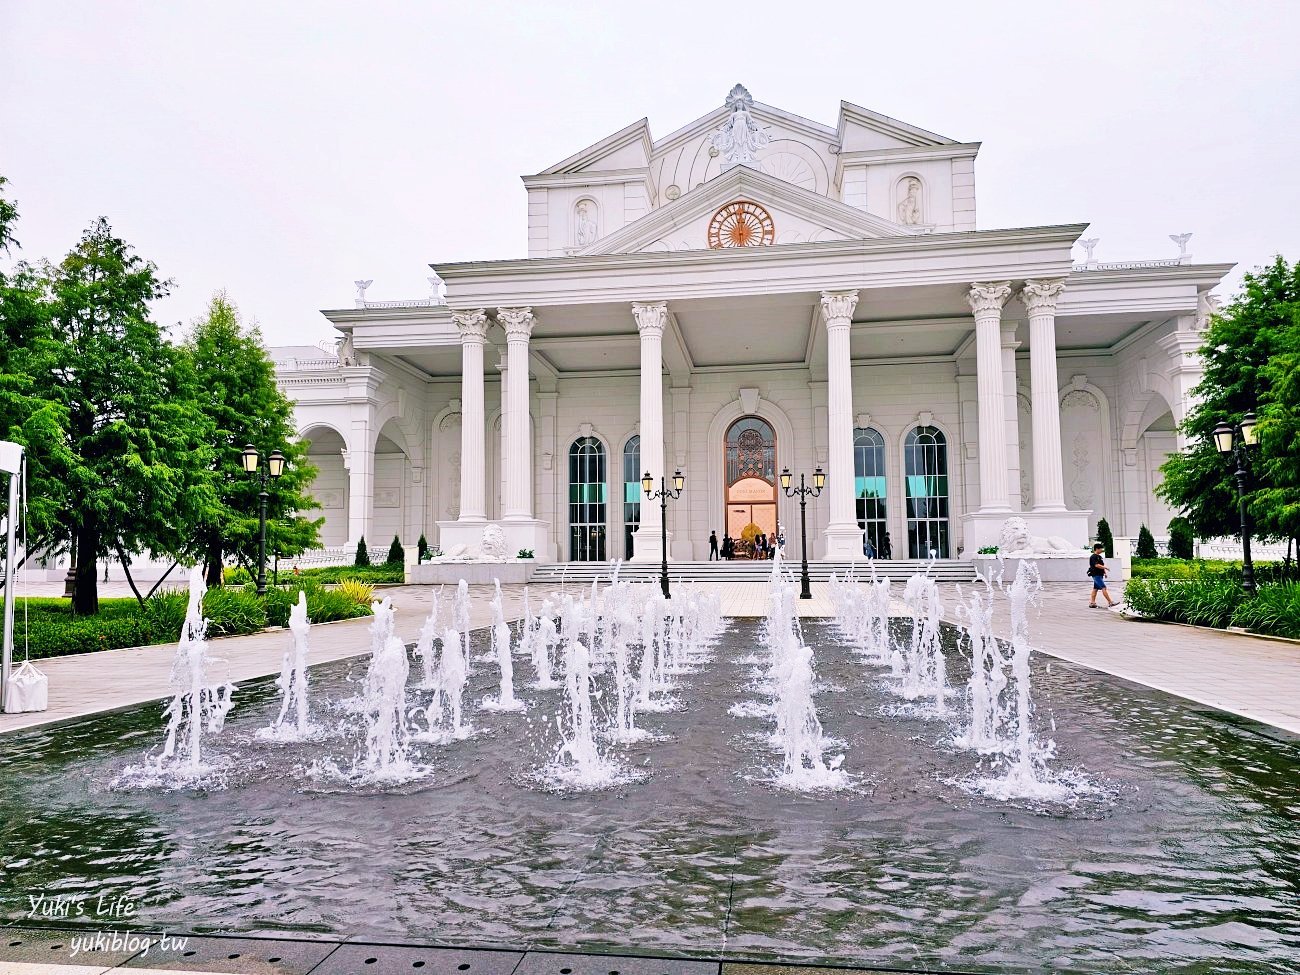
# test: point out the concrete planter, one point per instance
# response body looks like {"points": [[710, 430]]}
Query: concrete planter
{"points": [[1051, 568], [514, 572]]}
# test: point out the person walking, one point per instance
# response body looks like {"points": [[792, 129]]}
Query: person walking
{"points": [[886, 550], [1097, 570], [713, 547]]}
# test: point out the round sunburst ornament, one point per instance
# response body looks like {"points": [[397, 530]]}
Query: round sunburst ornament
{"points": [[741, 224]]}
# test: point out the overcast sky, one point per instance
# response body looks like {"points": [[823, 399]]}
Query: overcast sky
{"points": [[281, 150]]}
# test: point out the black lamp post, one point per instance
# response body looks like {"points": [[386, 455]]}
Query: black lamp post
{"points": [[663, 494], [1239, 441], [804, 493], [274, 468]]}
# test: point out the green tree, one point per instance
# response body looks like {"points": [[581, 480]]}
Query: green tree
{"points": [[1277, 468], [422, 549], [363, 556], [136, 446], [1105, 537], [396, 554], [239, 397], [27, 416], [1261, 323], [1146, 545], [1182, 543]]}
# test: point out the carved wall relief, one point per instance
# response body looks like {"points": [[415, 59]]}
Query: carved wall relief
{"points": [[449, 479], [1082, 440]]}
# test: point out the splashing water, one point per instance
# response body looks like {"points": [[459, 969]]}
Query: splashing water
{"points": [[293, 684], [195, 708], [387, 756], [505, 699]]}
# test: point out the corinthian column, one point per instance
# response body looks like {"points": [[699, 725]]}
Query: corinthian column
{"points": [[843, 536], [986, 301], [473, 334], [1040, 299], [650, 321], [518, 323]]}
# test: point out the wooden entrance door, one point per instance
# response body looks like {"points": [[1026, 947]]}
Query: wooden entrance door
{"points": [[750, 448]]}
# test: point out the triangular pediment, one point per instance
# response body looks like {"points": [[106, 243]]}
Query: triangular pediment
{"points": [[628, 148], [798, 216], [861, 129]]}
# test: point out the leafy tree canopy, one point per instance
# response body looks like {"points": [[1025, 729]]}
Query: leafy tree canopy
{"points": [[1245, 353], [243, 405]]}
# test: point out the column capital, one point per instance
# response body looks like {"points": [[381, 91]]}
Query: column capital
{"points": [[651, 317], [518, 322], [837, 306], [987, 298], [1040, 297], [472, 323]]}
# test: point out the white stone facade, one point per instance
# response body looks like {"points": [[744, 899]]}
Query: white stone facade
{"points": [[824, 279]]}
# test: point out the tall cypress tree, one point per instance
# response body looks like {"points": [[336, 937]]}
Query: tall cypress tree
{"points": [[135, 443], [244, 405]]}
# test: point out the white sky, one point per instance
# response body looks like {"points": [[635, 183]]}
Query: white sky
{"points": [[282, 150]]}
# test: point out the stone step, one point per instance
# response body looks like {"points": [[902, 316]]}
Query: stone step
{"points": [[948, 570]]}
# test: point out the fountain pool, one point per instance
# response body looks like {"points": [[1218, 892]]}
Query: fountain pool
{"points": [[1187, 855]]}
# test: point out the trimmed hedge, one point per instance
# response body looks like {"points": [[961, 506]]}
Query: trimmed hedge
{"points": [[52, 630], [338, 573], [1201, 568]]}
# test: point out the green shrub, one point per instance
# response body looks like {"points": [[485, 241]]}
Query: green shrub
{"points": [[331, 574], [327, 605], [1105, 537], [232, 611], [1182, 543], [166, 612], [396, 554], [236, 576], [363, 556], [1206, 601], [524, 553], [987, 550], [1275, 610], [1146, 545]]}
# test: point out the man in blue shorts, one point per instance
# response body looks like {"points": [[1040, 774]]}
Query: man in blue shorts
{"points": [[1097, 570]]}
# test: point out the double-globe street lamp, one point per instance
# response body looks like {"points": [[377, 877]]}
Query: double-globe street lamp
{"points": [[663, 494], [251, 460], [1238, 441], [804, 493]]}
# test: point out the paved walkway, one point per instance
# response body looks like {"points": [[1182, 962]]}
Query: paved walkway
{"points": [[1249, 676]]}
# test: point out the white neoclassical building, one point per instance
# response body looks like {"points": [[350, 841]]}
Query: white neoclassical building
{"points": [[749, 292]]}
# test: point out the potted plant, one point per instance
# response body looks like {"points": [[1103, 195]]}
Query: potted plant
{"points": [[525, 554]]}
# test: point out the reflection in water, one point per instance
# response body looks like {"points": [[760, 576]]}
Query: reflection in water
{"points": [[1191, 858]]}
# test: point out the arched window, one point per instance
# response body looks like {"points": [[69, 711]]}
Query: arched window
{"points": [[587, 500], [869, 484], [925, 461], [631, 492]]}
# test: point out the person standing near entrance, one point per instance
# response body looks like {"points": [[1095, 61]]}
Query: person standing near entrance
{"points": [[1097, 569], [886, 550], [713, 546]]}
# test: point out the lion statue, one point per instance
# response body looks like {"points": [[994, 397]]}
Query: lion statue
{"points": [[1016, 539], [493, 546]]}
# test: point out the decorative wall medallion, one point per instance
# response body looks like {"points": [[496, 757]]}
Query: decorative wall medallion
{"points": [[673, 192], [741, 224]]}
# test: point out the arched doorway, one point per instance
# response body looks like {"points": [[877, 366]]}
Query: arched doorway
{"points": [[750, 471]]}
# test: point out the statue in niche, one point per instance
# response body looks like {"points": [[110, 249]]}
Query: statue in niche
{"points": [[909, 207], [585, 231], [741, 136]]}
